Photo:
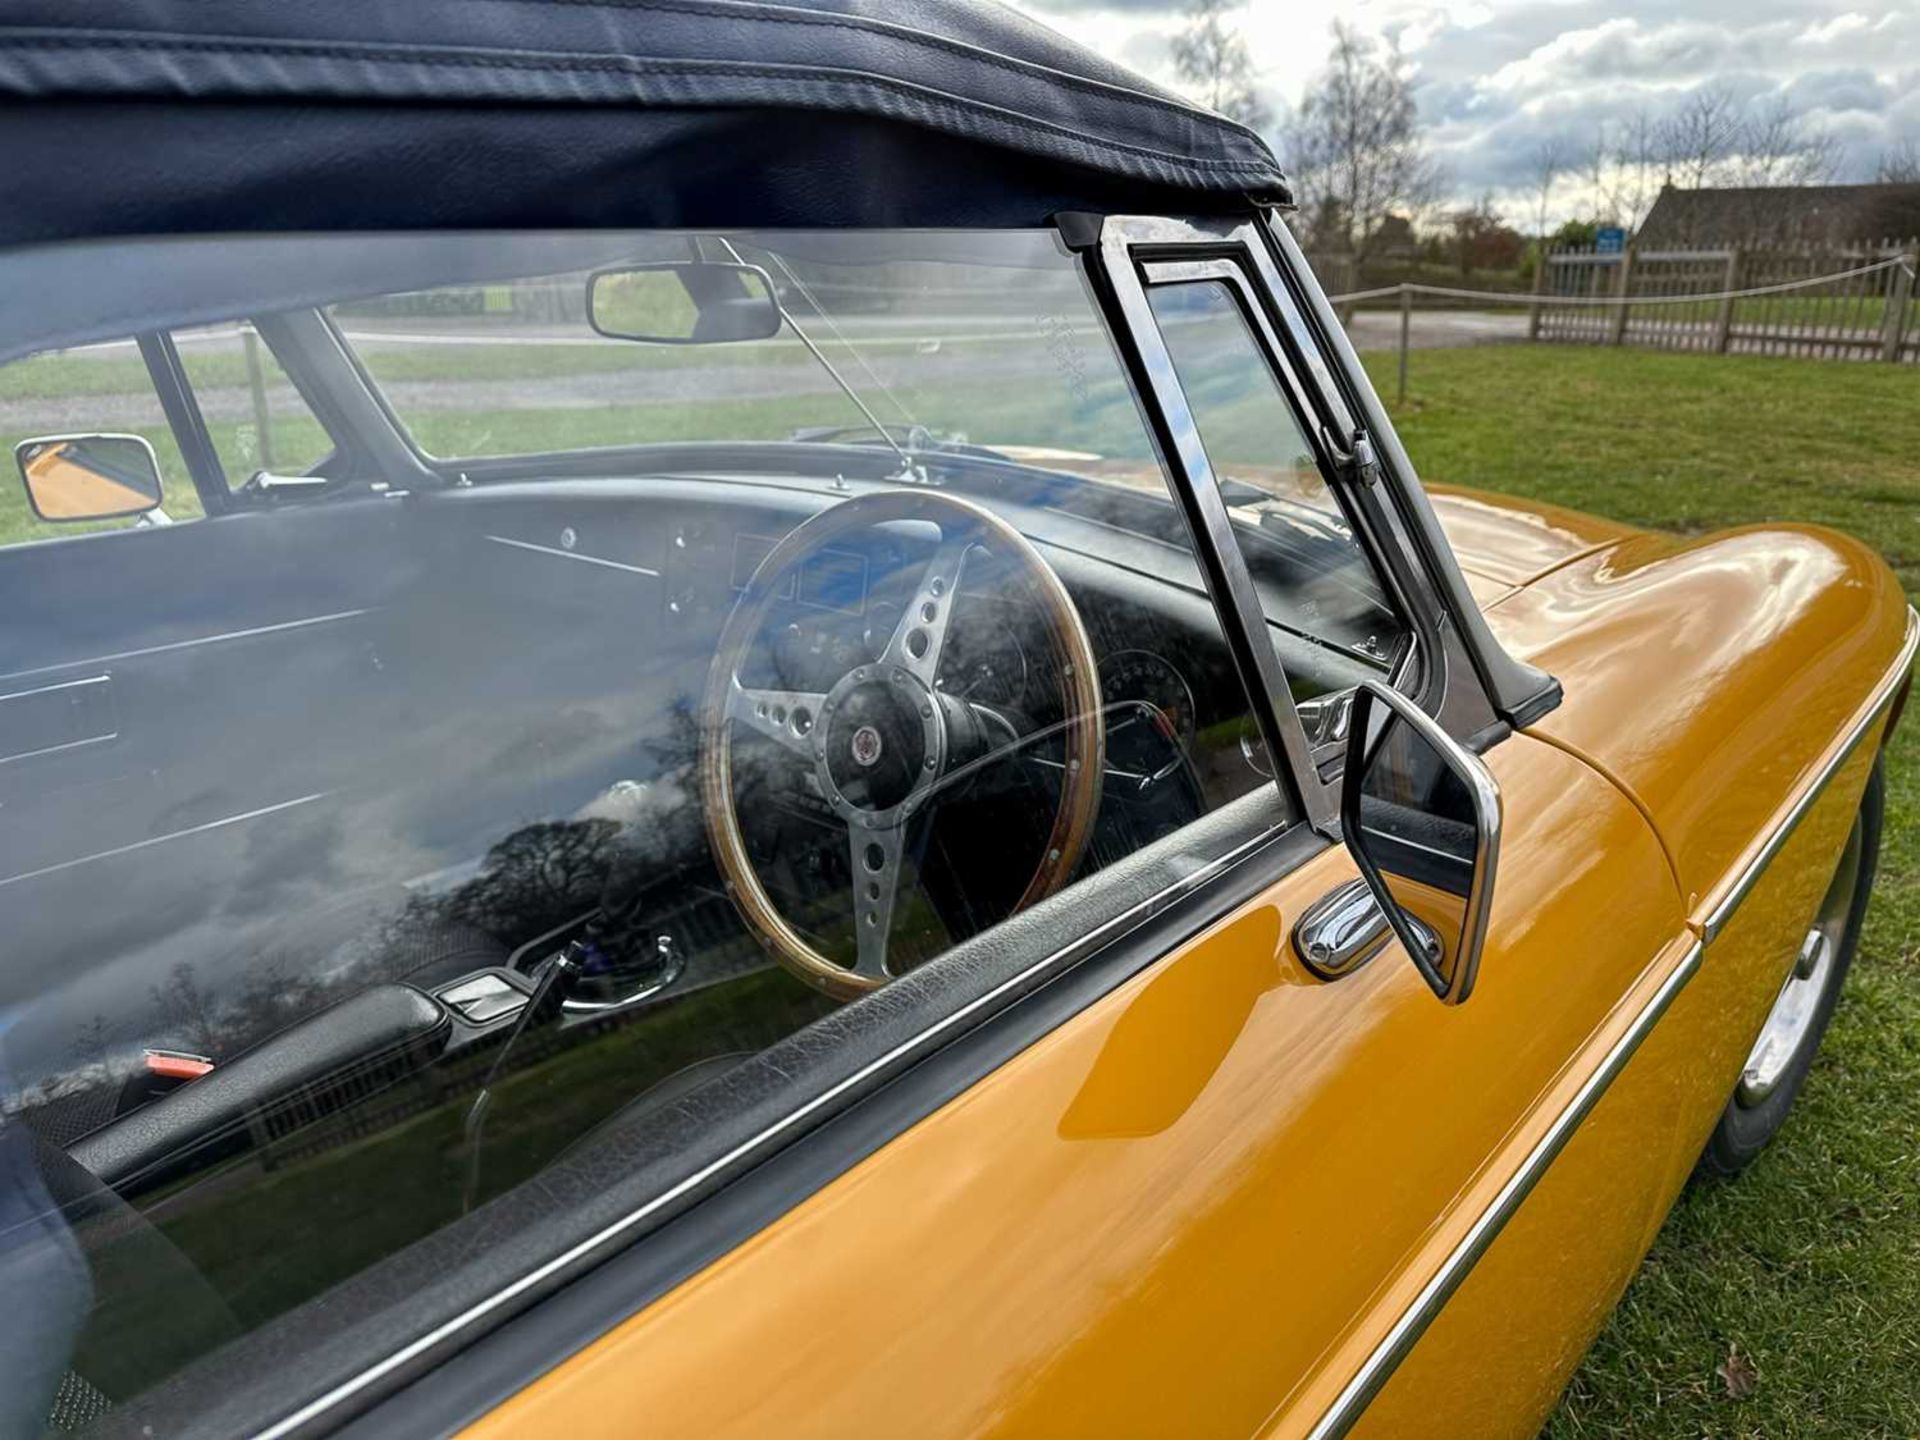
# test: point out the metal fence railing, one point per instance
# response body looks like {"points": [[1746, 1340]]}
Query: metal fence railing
{"points": [[1837, 304], [1867, 309]]}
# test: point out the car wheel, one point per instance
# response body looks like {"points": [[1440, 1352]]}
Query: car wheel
{"points": [[1784, 1050]]}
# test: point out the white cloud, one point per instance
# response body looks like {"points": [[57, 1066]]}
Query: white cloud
{"points": [[1841, 26], [1495, 77]]}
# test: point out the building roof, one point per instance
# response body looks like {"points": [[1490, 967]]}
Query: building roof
{"points": [[1816, 214], [185, 116]]}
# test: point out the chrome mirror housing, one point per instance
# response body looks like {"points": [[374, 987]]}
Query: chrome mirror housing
{"points": [[1421, 816]]}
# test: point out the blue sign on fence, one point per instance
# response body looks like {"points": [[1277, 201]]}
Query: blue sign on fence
{"points": [[1609, 240]]}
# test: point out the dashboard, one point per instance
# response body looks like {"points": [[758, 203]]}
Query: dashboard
{"points": [[671, 557], [1175, 728]]}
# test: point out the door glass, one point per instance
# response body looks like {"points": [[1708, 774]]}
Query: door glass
{"points": [[366, 863], [1315, 581]]}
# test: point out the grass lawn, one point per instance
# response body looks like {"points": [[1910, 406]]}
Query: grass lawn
{"points": [[1809, 1265]]}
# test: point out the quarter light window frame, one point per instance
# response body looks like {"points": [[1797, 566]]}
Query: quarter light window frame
{"points": [[1129, 255]]}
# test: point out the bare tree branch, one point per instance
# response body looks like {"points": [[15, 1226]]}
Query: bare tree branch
{"points": [[1356, 149], [1211, 57], [1622, 168], [1699, 141], [1899, 164], [1777, 147]]}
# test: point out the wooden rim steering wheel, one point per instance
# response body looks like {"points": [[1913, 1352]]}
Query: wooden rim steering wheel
{"points": [[877, 741]]}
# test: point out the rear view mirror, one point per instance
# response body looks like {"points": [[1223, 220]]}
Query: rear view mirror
{"points": [[1422, 819], [89, 477], [684, 302]]}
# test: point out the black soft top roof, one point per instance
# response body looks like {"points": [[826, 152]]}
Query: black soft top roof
{"points": [[191, 116]]}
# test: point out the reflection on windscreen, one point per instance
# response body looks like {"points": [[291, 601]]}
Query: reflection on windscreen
{"points": [[947, 339]]}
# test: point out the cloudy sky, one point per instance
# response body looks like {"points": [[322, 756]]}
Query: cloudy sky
{"points": [[1495, 76]]}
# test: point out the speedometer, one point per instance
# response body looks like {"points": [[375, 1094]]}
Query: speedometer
{"points": [[1149, 708]]}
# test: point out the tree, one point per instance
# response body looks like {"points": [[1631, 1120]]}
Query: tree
{"points": [[1355, 145], [1211, 57], [1623, 170], [1574, 234], [1899, 164], [1483, 241], [1636, 170], [1700, 140], [189, 1013], [1778, 148], [1549, 159]]}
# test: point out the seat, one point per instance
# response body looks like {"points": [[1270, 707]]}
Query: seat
{"points": [[151, 1312]]}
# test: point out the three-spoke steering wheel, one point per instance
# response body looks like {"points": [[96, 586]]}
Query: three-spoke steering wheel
{"points": [[880, 740]]}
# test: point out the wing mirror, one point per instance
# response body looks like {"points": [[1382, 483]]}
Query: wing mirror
{"points": [[684, 302], [1421, 816], [89, 477]]}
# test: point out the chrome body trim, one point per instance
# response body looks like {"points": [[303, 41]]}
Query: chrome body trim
{"points": [[1196, 489], [1883, 694], [1379, 1366], [1341, 930], [937, 1033], [1345, 928], [171, 835], [1472, 772], [194, 643], [559, 554]]}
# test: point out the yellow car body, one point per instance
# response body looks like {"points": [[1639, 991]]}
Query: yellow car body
{"points": [[1213, 1203]]}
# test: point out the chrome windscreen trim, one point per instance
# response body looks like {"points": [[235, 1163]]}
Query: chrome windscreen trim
{"points": [[197, 641], [938, 1032], [1413, 1322], [573, 555], [1883, 695]]}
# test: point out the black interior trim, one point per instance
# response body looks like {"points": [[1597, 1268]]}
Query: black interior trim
{"points": [[379, 1026]]}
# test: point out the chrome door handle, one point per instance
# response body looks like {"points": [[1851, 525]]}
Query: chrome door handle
{"points": [[1343, 929], [1340, 930]]}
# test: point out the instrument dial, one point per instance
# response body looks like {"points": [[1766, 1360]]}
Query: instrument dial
{"points": [[1150, 711]]}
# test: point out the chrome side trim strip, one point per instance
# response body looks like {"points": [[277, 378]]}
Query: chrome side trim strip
{"points": [[1412, 1324], [573, 555], [1882, 696], [59, 749], [153, 840], [187, 644], [51, 689], [1139, 913]]}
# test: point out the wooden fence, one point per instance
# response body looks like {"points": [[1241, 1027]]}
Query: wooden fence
{"points": [[1854, 304]]}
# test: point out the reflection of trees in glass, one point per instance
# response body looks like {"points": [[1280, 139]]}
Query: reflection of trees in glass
{"points": [[540, 876]]}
